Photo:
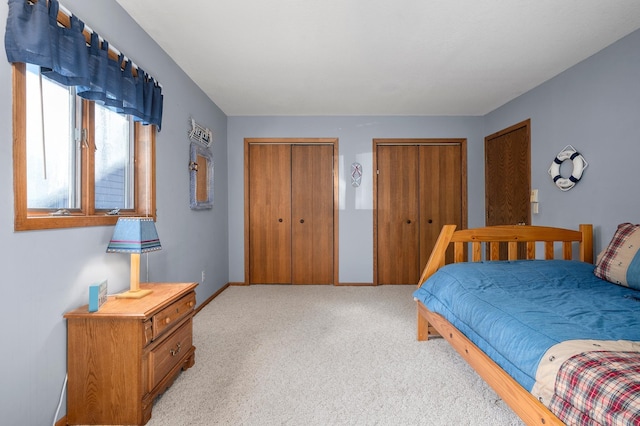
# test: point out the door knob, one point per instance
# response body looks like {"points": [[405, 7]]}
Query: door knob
{"points": [[409, 221], [280, 220], [301, 220]]}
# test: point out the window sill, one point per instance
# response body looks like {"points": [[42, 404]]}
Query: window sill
{"points": [[38, 222]]}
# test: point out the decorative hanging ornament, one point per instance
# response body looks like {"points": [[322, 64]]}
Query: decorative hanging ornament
{"points": [[356, 174], [579, 164], [200, 134]]}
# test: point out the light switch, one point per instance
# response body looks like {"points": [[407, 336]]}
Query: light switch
{"points": [[534, 196]]}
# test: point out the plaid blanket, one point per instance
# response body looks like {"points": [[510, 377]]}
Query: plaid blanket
{"points": [[598, 388]]}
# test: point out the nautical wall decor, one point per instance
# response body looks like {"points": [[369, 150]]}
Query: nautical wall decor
{"points": [[579, 164], [200, 134]]}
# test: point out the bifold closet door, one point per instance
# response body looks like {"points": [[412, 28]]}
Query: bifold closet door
{"points": [[291, 214], [312, 214], [398, 214], [270, 213], [440, 186], [419, 189]]}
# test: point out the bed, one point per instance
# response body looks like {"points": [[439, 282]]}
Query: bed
{"points": [[542, 329]]}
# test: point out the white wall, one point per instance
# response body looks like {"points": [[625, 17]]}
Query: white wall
{"points": [[46, 273]]}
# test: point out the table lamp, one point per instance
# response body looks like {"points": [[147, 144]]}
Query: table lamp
{"points": [[134, 235]]}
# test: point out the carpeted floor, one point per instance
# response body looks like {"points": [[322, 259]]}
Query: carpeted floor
{"points": [[323, 355]]}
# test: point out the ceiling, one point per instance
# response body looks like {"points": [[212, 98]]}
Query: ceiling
{"points": [[378, 57]]}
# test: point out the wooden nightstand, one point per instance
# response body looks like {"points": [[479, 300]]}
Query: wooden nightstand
{"points": [[130, 351]]}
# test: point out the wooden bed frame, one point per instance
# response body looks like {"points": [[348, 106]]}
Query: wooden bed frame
{"points": [[488, 239]]}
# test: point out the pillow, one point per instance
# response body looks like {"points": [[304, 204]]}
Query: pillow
{"points": [[620, 261]]}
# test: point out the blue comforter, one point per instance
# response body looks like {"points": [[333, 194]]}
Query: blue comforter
{"points": [[515, 310]]}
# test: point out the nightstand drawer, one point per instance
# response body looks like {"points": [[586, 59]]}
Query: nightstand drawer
{"points": [[172, 314], [169, 353]]}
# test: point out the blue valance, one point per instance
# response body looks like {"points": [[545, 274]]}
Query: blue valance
{"points": [[33, 35]]}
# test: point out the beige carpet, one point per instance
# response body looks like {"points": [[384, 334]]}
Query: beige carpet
{"points": [[323, 355]]}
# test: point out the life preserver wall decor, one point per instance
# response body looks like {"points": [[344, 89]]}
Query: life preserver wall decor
{"points": [[579, 164]]}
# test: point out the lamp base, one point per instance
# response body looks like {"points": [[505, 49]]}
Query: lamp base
{"points": [[131, 294]]}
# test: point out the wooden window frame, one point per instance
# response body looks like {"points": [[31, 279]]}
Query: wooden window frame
{"points": [[144, 163]]}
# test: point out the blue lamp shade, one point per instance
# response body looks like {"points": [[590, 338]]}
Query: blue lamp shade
{"points": [[134, 235]]}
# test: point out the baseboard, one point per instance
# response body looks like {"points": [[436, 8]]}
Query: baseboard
{"points": [[62, 421], [206, 302], [353, 284], [337, 285]]}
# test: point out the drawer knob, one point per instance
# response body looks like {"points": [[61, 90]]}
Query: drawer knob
{"points": [[167, 320], [175, 351]]}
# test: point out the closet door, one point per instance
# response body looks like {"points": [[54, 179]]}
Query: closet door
{"points": [[312, 214], [398, 242], [420, 186], [440, 183], [270, 213], [290, 229]]}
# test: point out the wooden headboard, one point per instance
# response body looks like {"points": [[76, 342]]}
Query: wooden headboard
{"points": [[489, 238]]}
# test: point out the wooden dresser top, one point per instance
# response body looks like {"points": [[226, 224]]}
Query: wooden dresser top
{"points": [[163, 295]]}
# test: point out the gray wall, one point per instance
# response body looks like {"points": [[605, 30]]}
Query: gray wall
{"points": [[595, 107], [355, 136], [46, 273]]}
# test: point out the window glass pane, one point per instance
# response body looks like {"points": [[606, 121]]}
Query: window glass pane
{"points": [[113, 160], [52, 160]]}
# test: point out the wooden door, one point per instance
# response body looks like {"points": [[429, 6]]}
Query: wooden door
{"points": [[420, 186], [508, 179], [290, 211], [397, 214], [269, 213], [312, 214], [508, 176], [440, 180]]}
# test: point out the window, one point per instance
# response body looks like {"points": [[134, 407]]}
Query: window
{"points": [[76, 163], [113, 159]]}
